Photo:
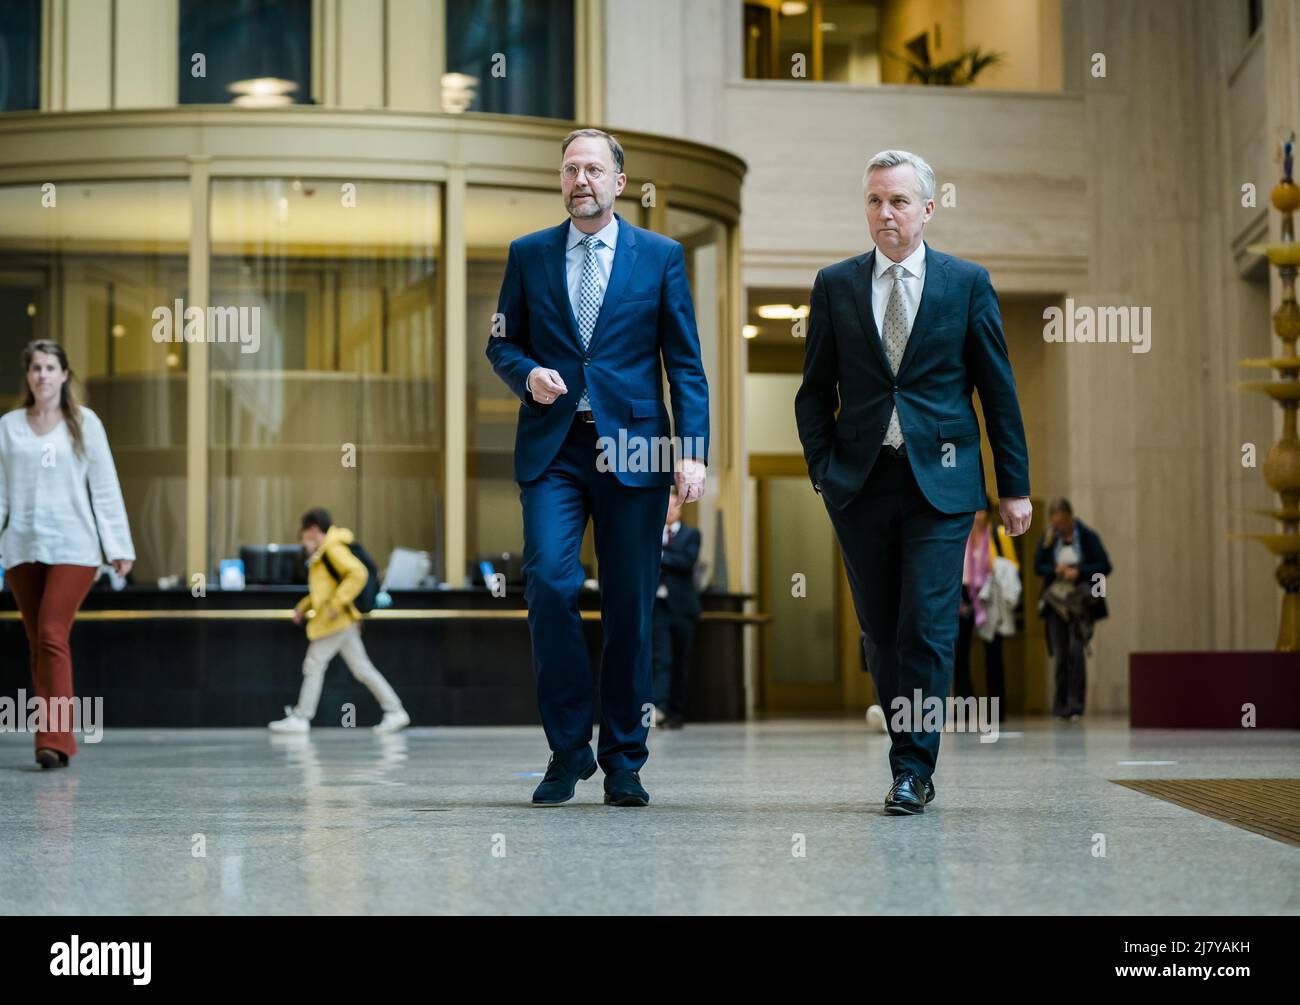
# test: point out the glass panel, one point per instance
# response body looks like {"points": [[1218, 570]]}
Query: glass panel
{"points": [[514, 57], [759, 20], [802, 633], [493, 218], [20, 56], [704, 241], [794, 30], [249, 52], [850, 31], [87, 264], [336, 399]]}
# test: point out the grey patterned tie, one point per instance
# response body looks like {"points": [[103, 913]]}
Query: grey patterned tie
{"points": [[590, 296], [896, 332]]}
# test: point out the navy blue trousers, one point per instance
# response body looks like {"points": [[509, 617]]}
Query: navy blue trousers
{"points": [[904, 560], [628, 523]]}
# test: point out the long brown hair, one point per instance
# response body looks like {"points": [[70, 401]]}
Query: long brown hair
{"points": [[69, 401]]}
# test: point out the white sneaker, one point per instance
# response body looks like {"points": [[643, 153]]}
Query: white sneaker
{"points": [[876, 719], [392, 722], [291, 723]]}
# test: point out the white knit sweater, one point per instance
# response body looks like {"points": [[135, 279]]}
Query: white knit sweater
{"points": [[57, 507]]}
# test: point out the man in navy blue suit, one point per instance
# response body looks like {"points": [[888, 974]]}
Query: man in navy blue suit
{"points": [[896, 340], [587, 312]]}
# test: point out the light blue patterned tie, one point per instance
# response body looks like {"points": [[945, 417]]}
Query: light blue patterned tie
{"points": [[590, 296]]}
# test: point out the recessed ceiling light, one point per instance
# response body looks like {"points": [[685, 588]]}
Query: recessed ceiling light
{"points": [[750, 331], [262, 92]]}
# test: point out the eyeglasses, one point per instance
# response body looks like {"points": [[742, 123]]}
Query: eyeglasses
{"points": [[594, 172]]}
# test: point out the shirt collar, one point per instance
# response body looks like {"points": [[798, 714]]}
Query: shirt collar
{"points": [[913, 264], [608, 235]]}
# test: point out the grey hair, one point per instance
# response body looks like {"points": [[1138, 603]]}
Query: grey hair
{"points": [[615, 148], [893, 158]]}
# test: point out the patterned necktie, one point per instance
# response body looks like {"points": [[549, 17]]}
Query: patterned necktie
{"points": [[590, 296], [895, 343]]}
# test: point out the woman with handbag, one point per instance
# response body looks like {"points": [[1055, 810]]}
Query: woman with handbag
{"points": [[61, 510], [1074, 567]]}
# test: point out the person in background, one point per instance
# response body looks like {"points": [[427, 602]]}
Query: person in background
{"points": [[334, 626], [677, 606], [987, 612], [875, 714], [1073, 564], [61, 513]]}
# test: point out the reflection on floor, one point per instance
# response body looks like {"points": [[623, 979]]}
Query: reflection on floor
{"points": [[773, 817]]}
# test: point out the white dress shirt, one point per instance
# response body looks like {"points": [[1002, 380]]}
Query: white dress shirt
{"points": [[675, 527], [56, 506], [576, 253], [913, 283]]}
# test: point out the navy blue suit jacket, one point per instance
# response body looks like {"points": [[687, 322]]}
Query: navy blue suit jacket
{"points": [[956, 345], [677, 572], [646, 315]]}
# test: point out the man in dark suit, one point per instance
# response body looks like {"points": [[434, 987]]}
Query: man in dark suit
{"points": [[677, 605], [586, 313], [896, 340]]}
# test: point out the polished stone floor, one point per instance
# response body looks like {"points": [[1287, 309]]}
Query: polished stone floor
{"points": [[769, 817]]}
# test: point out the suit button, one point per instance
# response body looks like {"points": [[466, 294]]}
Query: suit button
{"points": [[895, 388], [586, 362]]}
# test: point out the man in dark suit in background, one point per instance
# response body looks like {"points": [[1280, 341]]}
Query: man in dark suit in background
{"points": [[677, 606], [897, 338], [587, 312]]}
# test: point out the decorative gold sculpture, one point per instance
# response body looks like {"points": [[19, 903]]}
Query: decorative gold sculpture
{"points": [[1282, 463]]}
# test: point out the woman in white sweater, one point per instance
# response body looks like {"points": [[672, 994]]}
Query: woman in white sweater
{"points": [[61, 509]]}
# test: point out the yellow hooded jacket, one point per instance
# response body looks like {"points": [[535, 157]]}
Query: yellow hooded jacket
{"points": [[326, 593], [1008, 549]]}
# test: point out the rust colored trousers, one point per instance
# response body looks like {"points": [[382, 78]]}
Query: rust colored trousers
{"points": [[48, 597]]}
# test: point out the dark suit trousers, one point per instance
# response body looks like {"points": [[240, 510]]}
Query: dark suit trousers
{"points": [[673, 635], [904, 560], [628, 526]]}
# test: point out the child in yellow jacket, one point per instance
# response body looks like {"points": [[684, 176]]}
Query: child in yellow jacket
{"points": [[334, 626]]}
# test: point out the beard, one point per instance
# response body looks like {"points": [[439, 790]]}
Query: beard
{"points": [[592, 206]]}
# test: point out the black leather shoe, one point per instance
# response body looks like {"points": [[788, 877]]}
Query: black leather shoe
{"points": [[906, 795], [562, 775], [929, 792], [623, 788], [48, 758]]}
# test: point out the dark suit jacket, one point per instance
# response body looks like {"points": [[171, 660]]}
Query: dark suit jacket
{"points": [[678, 572], [647, 313], [956, 345], [1093, 560]]}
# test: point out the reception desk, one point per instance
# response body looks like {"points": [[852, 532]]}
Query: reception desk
{"points": [[456, 657]]}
